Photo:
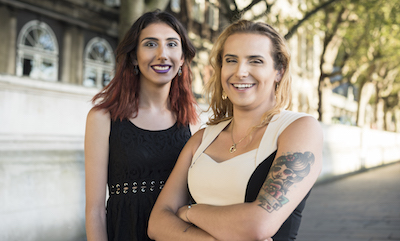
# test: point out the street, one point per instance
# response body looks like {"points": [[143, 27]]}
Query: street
{"points": [[360, 207]]}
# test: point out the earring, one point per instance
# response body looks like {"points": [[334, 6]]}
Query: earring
{"points": [[180, 71], [136, 70], [224, 95]]}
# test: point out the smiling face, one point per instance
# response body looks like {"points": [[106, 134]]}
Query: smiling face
{"points": [[248, 75], [159, 54]]}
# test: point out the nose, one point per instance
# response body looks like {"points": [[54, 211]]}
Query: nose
{"points": [[162, 52], [242, 70]]}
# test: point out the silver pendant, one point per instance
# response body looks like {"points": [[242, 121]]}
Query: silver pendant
{"points": [[233, 148]]}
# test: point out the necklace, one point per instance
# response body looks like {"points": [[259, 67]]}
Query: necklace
{"points": [[232, 149]]}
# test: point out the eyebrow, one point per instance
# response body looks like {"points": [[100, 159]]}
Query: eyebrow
{"points": [[156, 39], [255, 56], [249, 57], [230, 55]]}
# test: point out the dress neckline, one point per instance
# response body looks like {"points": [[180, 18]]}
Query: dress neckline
{"points": [[241, 156], [146, 130]]}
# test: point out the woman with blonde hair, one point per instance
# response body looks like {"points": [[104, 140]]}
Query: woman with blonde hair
{"points": [[248, 174]]}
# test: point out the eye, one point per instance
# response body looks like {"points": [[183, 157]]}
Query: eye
{"points": [[150, 44], [172, 44], [230, 60], [256, 61]]}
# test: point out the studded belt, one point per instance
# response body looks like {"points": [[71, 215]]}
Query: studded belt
{"points": [[135, 187]]}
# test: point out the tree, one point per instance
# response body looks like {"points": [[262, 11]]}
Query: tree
{"points": [[334, 18], [232, 12], [367, 58]]}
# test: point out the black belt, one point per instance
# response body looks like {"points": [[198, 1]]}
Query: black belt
{"points": [[135, 187]]}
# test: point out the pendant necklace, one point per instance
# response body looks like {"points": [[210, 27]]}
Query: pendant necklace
{"points": [[232, 149]]}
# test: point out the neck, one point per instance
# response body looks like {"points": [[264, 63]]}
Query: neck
{"points": [[154, 97], [245, 122], [245, 118]]}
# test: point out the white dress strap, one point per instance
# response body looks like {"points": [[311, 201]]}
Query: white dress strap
{"points": [[277, 125], [210, 133]]}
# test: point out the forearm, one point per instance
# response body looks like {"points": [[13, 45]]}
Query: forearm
{"points": [[235, 222], [165, 225], [96, 226]]}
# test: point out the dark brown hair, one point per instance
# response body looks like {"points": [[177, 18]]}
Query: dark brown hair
{"points": [[121, 96]]}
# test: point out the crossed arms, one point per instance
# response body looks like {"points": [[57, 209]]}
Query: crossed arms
{"points": [[258, 220]]}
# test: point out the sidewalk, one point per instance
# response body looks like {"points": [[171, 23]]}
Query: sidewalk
{"points": [[361, 207]]}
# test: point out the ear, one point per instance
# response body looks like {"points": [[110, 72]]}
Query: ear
{"points": [[278, 77], [134, 62]]}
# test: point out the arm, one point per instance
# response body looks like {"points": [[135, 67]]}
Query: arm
{"points": [[163, 223], [96, 161], [252, 221]]}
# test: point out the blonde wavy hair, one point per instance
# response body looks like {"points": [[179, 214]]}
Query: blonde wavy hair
{"points": [[223, 109]]}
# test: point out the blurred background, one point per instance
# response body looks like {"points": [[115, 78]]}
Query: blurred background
{"points": [[55, 55]]}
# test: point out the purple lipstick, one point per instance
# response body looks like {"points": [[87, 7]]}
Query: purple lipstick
{"points": [[161, 69]]}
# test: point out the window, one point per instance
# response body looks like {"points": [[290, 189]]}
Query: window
{"points": [[37, 52], [99, 63]]}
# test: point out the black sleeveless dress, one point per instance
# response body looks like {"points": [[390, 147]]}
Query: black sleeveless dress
{"points": [[140, 162]]}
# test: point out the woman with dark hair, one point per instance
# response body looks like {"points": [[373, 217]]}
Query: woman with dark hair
{"points": [[239, 170], [139, 124]]}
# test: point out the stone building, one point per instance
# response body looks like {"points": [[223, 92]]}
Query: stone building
{"points": [[54, 56]]}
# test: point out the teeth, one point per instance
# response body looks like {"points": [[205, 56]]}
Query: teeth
{"points": [[161, 67], [242, 86]]}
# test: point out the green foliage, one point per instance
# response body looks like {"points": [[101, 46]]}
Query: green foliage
{"points": [[372, 37]]}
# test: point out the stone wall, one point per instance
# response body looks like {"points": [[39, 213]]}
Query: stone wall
{"points": [[41, 159], [349, 149]]}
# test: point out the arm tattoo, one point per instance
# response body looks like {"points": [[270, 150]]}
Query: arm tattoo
{"points": [[286, 170]]}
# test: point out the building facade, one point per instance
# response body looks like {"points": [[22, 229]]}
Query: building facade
{"points": [[54, 56]]}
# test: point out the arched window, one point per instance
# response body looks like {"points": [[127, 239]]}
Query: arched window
{"points": [[37, 52], [99, 63]]}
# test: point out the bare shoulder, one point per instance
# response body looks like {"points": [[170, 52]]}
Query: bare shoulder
{"points": [[199, 134], [304, 134], [304, 126], [98, 123], [195, 127], [98, 114], [195, 141], [98, 118]]}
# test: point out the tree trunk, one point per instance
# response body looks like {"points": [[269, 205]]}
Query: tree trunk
{"points": [[379, 112], [330, 47], [366, 91]]}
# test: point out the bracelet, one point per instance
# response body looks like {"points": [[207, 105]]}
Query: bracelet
{"points": [[189, 207], [190, 225]]}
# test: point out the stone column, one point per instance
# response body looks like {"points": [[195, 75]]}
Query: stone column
{"points": [[8, 39], [73, 53]]}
